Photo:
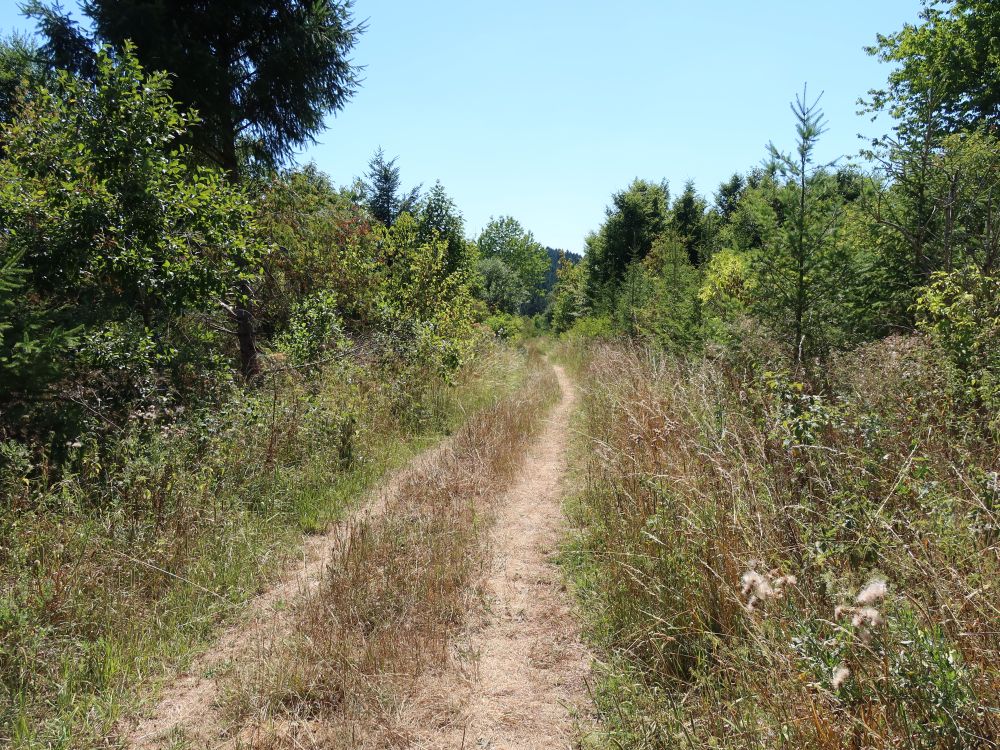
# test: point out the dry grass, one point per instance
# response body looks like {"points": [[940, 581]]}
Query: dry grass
{"points": [[735, 531], [400, 585]]}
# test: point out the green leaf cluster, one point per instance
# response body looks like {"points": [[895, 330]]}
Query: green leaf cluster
{"points": [[109, 232]]}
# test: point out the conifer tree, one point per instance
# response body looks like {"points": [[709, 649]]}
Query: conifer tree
{"points": [[383, 190], [800, 265]]}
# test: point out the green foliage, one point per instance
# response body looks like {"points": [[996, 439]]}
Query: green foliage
{"points": [[641, 269], [505, 326], [420, 294], [674, 317], [964, 183], [591, 327], [569, 301], [727, 291], [19, 72], [635, 218], [66, 46], [116, 237], [944, 68], [262, 75], [961, 313], [506, 239], [657, 300], [314, 328], [633, 301], [500, 287], [936, 167], [32, 350], [145, 497], [727, 198], [323, 242]]}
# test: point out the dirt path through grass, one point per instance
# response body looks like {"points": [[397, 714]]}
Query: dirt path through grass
{"points": [[188, 709], [517, 680], [516, 677]]}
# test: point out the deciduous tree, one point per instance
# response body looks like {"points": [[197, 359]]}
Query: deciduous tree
{"points": [[506, 239]]}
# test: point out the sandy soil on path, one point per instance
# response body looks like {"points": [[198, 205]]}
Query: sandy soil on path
{"points": [[518, 679]]}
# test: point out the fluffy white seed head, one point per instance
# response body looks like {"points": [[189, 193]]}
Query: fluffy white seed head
{"points": [[868, 616], [840, 676], [750, 579], [873, 593], [756, 586]]}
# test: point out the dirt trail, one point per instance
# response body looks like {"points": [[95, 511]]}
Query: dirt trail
{"points": [[188, 707], [517, 680]]}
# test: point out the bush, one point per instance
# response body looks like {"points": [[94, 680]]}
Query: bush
{"points": [[591, 328], [314, 328], [118, 253], [961, 313], [505, 326]]}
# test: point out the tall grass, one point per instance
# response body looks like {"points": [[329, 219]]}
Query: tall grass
{"points": [[767, 563], [396, 589], [114, 574]]}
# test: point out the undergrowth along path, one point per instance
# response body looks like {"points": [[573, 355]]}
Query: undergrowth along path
{"points": [[518, 678]]}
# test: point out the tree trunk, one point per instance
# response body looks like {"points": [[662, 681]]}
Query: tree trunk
{"points": [[247, 336], [246, 333]]}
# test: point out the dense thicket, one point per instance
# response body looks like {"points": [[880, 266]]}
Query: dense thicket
{"points": [[136, 260]]}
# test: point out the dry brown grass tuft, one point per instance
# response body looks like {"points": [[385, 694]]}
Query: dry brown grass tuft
{"points": [[772, 564], [397, 589]]}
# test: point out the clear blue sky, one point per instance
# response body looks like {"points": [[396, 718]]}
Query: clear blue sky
{"points": [[540, 109]]}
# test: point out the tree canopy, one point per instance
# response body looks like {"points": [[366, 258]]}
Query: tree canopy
{"points": [[262, 75], [507, 240]]}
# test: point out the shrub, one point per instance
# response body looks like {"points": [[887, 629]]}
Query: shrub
{"points": [[961, 313], [112, 238], [314, 328]]}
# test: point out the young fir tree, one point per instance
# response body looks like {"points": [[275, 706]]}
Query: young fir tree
{"points": [[800, 266], [383, 190], [439, 218]]}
